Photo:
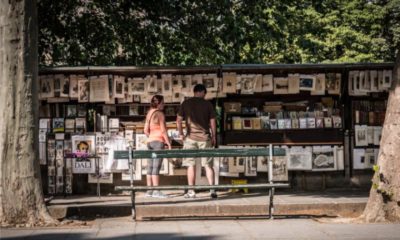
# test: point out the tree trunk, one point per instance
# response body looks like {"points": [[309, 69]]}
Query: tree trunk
{"points": [[21, 197], [384, 198]]}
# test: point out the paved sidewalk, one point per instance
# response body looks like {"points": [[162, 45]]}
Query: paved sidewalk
{"points": [[124, 228], [328, 203]]}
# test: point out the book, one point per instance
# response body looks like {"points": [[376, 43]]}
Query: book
{"points": [[310, 122], [273, 123], [337, 121], [58, 125], [303, 122], [257, 123], [236, 123], [281, 123]]}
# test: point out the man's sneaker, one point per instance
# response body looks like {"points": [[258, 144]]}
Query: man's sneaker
{"points": [[190, 194], [213, 194], [149, 193], [159, 194]]}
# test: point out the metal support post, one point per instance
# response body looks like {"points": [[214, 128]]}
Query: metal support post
{"points": [[270, 180], [130, 163]]}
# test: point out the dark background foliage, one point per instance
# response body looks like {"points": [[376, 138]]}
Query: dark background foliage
{"points": [[181, 32]]}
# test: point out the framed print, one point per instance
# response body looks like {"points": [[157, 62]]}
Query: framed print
{"points": [[323, 158], [133, 110], [262, 164], [300, 158], [64, 86], [293, 83], [247, 83], [251, 167], [99, 91], [366, 84], [387, 79], [307, 82], [369, 157], [279, 169], [381, 86], [176, 83], [119, 86], [377, 135], [151, 83], [239, 163], [281, 85], [166, 84], [196, 79], [247, 123], [210, 81], [319, 85], [141, 142], [373, 76], [333, 83], [84, 144], [258, 83], [359, 158], [73, 85], [137, 86], [267, 83], [186, 83], [229, 82], [83, 85], [177, 97], [57, 84], [46, 86]]}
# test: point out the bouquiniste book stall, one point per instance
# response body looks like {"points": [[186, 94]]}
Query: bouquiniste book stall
{"points": [[328, 117]]}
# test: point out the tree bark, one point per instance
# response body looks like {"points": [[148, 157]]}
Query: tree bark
{"points": [[384, 199], [21, 196]]}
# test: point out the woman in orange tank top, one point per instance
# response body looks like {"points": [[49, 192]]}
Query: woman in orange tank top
{"points": [[156, 132]]}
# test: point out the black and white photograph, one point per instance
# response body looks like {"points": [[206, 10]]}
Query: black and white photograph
{"points": [[307, 82], [229, 82], [151, 81], [377, 135], [319, 85], [358, 158], [73, 86], [186, 83], [262, 164], [373, 75], [64, 86], [57, 84], [166, 84], [323, 158], [176, 83], [281, 85], [210, 81], [46, 86], [300, 158], [247, 84], [387, 79], [83, 86], [333, 83], [119, 86], [279, 169], [136, 86], [196, 79]]}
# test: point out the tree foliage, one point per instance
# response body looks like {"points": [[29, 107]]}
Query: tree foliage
{"points": [[182, 32]]}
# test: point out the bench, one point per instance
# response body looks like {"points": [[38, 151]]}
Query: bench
{"points": [[198, 153]]}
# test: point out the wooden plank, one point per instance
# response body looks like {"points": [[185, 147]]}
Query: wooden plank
{"points": [[197, 153], [202, 187]]}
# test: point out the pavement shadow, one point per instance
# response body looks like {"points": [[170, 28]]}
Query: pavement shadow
{"points": [[250, 218], [144, 236]]}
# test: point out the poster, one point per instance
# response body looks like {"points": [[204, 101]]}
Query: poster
{"points": [[83, 144], [323, 158], [300, 158], [99, 91]]}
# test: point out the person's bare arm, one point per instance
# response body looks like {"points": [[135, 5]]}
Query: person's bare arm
{"points": [[179, 121], [163, 127], [146, 126], [213, 125]]}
